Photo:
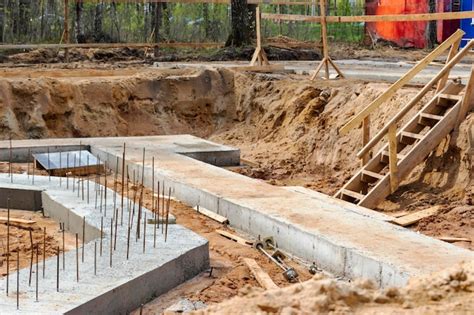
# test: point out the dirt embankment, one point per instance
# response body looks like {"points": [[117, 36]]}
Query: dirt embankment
{"points": [[449, 292], [287, 125], [149, 103]]}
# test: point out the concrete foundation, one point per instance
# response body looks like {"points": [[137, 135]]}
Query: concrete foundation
{"points": [[119, 285], [341, 238]]}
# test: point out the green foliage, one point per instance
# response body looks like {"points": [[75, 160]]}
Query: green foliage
{"points": [[181, 22]]}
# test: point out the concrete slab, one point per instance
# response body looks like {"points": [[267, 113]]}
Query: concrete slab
{"points": [[345, 240], [114, 284]]}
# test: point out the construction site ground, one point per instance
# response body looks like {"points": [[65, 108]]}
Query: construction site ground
{"points": [[287, 129]]}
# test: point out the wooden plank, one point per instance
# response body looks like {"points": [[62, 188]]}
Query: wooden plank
{"points": [[415, 100], [365, 137], [352, 194], [431, 116], [235, 238], [15, 221], [412, 135], [450, 97], [417, 216], [260, 275], [452, 52], [372, 174], [355, 121], [468, 99], [264, 68], [393, 158], [324, 35], [442, 16], [450, 239], [267, 2], [214, 216], [110, 45]]}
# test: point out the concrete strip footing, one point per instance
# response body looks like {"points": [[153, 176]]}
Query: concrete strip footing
{"points": [[114, 290], [348, 241]]}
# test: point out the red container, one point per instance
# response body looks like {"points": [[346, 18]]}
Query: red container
{"points": [[404, 34]]}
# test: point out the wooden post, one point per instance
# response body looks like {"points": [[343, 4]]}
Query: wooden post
{"points": [[467, 100], [326, 61], [393, 159], [324, 35], [66, 28], [452, 52], [259, 55], [365, 138]]}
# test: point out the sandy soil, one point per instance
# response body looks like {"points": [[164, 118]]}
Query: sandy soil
{"points": [[447, 292], [20, 239], [287, 126]]}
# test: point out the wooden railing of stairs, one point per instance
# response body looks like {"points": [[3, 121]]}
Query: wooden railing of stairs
{"points": [[409, 145]]}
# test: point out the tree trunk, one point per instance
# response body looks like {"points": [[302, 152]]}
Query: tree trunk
{"points": [[207, 23], [166, 18], [156, 16], [24, 18], [2, 20], [239, 35], [431, 27], [79, 33], [99, 9], [252, 20]]}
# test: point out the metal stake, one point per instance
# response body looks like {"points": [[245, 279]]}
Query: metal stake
{"points": [[95, 258], [8, 243], [167, 213], [111, 239], [37, 278], [31, 258], [101, 234], [64, 247], [77, 257], [18, 277], [49, 166], [57, 272], [144, 233], [83, 236], [123, 179], [44, 251], [128, 241]]}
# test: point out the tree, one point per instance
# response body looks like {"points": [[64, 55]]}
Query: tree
{"points": [[239, 35], [2, 20], [156, 17], [431, 27], [80, 38], [98, 15]]}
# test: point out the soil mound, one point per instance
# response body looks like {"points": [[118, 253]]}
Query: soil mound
{"points": [[450, 291]]}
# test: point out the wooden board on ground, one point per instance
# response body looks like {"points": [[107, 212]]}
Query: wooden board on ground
{"points": [[14, 221], [208, 213], [262, 277], [450, 239], [235, 238], [412, 218], [268, 68]]}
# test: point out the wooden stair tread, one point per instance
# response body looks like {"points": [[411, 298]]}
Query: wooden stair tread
{"points": [[431, 116], [399, 156], [412, 135], [352, 194], [372, 174], [452, 97]]}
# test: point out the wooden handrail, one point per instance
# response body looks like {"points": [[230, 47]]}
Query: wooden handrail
{"points": [[355, 121], [379, 136]]}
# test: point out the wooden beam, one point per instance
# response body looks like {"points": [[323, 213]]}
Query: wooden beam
{"points": [[260, 275], [446, 69], [450, 239], [355, 121], [468, 99], [452, 52], [373, 18], [236, 238], [214, 216], [365, 138], [417, 216], [324, 35], [14, 221], [110, 45], [393, 159], [267, 2]]}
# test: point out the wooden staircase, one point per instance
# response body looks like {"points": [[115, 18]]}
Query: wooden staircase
{"points": [[381, 173]]}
